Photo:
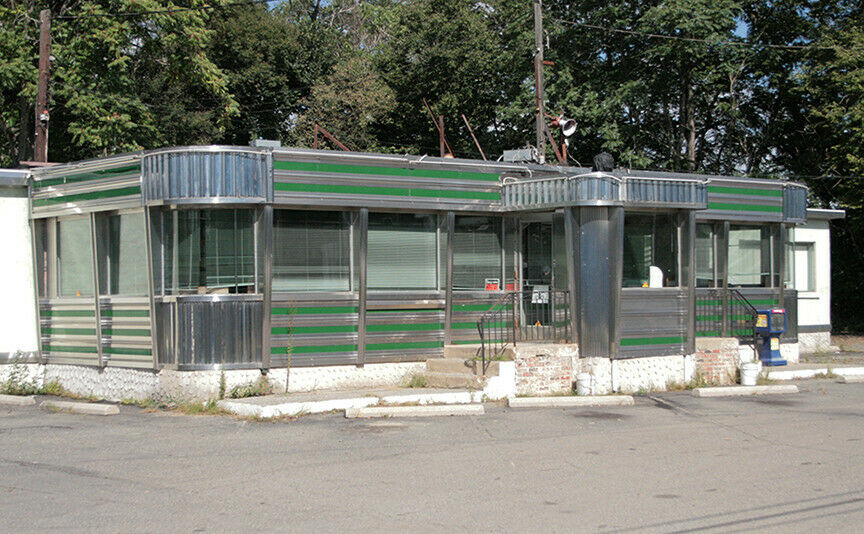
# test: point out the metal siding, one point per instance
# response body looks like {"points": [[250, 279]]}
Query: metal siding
{"points": [[68, 331], [653, 322], [795, 203], [309, 329], [597, 245], [127, 340], [402, 327], [467, 308], [102, 185], [744, 200]]}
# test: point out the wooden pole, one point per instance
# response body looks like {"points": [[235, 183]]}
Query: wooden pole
{"points": [[40, 145], [471, 131], [538, 80]]}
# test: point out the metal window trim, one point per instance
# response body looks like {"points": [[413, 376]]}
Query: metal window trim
{"points": [[97, 315]]}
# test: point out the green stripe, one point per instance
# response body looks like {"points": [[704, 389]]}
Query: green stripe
{"points": [[121, 192], [467, 342], [729, 206], [66, 313], [408, 310], [127, 351], [126, 332], [97, 175], [708, 302], [635, 341], [125, 313], [383, 171], [415, 327], [314, 311], [386, 191], [745, 191], [327, 329], [469, 325], [708, 333], [83, 350], [742, 332], [69, 331], [405, 345], [709, 317], [310, 350]]}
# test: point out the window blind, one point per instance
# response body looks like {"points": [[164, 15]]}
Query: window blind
{"points": [[476, 252], [311, 251], [402, 251]]}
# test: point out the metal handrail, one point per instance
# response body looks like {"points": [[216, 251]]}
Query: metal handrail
{"points": [[741, 300]]}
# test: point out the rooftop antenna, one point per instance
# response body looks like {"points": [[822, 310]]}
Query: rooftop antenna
{"points": [[439, 124], [332, 138], [474, 137]]}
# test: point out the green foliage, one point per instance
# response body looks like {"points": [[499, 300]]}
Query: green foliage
{"points": [[257, 388], [416, 381]]}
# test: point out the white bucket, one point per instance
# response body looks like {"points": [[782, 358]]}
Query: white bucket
{"points": [[750, 373], [583, 384]]}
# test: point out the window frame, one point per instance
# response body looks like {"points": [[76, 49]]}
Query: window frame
{"points": [[678, 226], [103, 246], [440, 255]]}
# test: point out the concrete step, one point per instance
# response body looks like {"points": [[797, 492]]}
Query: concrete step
{"points": [[469, 352], [452, 365], [453, 380]]}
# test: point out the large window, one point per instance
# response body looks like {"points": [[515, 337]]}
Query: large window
{"points": [[749, 256], [476, 252], [402, 251], [803, 266], [705, 256], [311, 251], [122, 254], [650, 250], [74, 257], [209, 251]]}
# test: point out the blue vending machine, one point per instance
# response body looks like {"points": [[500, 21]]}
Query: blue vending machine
{"points": [[770, 324]]}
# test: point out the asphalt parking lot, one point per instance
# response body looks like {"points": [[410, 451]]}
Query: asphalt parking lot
{"points": [[672, 463]]}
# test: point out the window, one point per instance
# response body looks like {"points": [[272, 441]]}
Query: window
{"points": [[40, 260], [476, 252], [74, 257], [122, 254], [804, 274], [402, 251], [650, 251], [705, 256], [209, 251], [311, 251], [749, 256]]}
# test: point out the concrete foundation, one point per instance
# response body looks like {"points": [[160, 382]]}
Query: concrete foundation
{"points": [[812, 342]]}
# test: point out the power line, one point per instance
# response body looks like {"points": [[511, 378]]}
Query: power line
{"points": [[741, 44], [161, 11]]}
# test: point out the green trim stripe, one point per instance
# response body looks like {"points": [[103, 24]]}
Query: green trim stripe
{"points": [[708, 333], [405, 345], [96, 175], [125, 313], [314, 310], [312, 350], [93, 195], [414, 327], [66, 313], [752, 191], [636, 341], [709, 317], [383, 171], [708, 302], [69, 331], [127, 351], [331, 329], [386, 191], [408, 310], [473, 325], [126, 332], [731, 206], [58, 348]]}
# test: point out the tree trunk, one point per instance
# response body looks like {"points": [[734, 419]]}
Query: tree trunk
{"points": [[688, 120]]}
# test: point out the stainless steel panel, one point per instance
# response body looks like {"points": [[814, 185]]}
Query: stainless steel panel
{"points": [[363, 247], [795, 203]]}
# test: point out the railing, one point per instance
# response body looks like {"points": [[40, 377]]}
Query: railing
{"points": [[538, 315], [727, 312]]}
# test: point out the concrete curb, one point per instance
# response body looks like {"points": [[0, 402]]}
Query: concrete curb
{"points": [[17, 400], [83, 408], [415, 411], [852, 379], [563, 402], [810, 373], [460, 397], [740, 391], [294, 408]]}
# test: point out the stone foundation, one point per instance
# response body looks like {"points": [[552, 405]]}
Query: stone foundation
{"points": [[544, 369], [812, 342], [655, 373], [350, 376]]}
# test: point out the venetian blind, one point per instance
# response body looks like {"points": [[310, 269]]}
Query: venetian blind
{"points": [[402, 251]]}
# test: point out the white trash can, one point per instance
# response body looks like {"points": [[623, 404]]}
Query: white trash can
{"points": [[583, 384], [750, 373]]}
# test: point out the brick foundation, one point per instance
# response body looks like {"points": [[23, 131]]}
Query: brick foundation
{"points": [[544, 369], [716, 360]]}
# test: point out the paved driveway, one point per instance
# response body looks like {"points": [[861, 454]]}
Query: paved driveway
{"points": [[673, 463]]}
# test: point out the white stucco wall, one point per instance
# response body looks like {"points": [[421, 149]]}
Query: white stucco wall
{"points": [[18, 306], [814, 307]]}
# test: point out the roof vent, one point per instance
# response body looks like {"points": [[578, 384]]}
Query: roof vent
{"points": [[266, 143]]}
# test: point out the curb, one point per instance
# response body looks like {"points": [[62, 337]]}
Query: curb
{"points": [[294, 408], [740, 391], [852, 379], [17, 400], [415, 411], [810, 373], [563, 402], [83, 408], [462, 397]]}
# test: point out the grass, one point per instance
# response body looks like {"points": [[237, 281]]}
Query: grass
{"points": [[257, 388], [417, 381], [207, 407]]}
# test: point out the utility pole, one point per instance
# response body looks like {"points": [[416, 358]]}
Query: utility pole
{"points": [[441, 140], [538, 81], [40, 148]]}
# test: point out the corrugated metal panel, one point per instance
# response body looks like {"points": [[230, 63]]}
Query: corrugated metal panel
{"points": [[658, 192], [653, 322], [311, 329], [795, 203], [343, 179], [790, 304], [126, 337], [404, 327], [468, 307], [207, 174], [744, 200], [68, 330], [201, 334], [100, 185]]}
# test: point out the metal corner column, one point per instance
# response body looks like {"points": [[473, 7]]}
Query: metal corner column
{"points": [[36, 273], [265, 242], [448, 289], [616, 259], [723, 267], [151, 285], [570, 236], [691, 281], [97, 310], [363, 223]]}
